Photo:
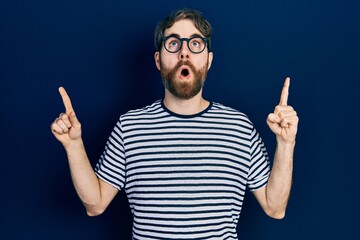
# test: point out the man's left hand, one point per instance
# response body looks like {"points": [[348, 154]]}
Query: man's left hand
{"points": [[284, 120]]}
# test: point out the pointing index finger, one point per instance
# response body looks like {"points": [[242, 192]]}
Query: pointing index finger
{"points": [[285, 92], [66, 100]]}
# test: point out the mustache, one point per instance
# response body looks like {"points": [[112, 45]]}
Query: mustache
{"points": [[184, 63]]}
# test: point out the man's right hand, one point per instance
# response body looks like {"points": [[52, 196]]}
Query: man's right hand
{"points": [[66, 128]]}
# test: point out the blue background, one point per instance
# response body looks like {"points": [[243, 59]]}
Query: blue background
{"points": [[102, 53]]}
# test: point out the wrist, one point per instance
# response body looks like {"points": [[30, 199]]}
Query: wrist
{"points": [[285, 148], [74, 145], [288, 143]]}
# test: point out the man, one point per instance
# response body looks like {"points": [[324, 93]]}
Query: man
{"points": [[184, 162]]}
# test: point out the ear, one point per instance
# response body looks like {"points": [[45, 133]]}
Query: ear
{"points": [[211, 55], [157, 60]]}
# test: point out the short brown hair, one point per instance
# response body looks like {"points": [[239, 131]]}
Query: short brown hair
{"points": [[195, 16]]}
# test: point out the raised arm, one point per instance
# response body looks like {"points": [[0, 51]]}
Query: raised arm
{"points": [[95, 194], [283, 123]]}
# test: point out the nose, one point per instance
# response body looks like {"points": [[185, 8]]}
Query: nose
{"points": [[184, 52]]}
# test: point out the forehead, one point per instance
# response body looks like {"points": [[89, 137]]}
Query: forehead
{"points": [[183, 28]]}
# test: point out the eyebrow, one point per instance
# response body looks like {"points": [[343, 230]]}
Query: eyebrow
{"points": [[196, 35], [178, 36]]}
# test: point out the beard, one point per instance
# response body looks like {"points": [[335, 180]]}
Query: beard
{"points": [[183, 89]]}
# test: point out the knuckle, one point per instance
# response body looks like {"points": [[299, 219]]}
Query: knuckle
{"points": [[63, 116], [281, 115], [277, 109], [284, 119], [55, 129], [289, 108], [297, 119]]}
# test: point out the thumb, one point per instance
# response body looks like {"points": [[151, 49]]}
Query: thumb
{"points": [[273, 122], [273, 118], [74, 121]]}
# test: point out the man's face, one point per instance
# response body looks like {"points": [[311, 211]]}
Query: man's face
{"points": [[183, 73]]}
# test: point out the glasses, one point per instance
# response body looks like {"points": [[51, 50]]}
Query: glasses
{"points": [[195, 44]]}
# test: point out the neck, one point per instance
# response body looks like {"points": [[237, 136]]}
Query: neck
{"points": [[185, 107]]}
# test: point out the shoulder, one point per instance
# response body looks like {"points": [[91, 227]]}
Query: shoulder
{"points": [[150, 111], [226, 112]]}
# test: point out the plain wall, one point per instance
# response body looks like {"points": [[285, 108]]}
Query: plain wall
{"points": [[102, 53]]}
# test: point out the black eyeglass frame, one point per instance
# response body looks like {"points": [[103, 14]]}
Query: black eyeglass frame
{"points": [[206, 40]]}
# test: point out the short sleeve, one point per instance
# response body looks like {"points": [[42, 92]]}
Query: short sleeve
{"points": [[259, 163], [111, 165]]}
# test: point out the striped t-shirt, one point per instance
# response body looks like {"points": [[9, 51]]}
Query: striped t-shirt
{"points": [[184, 175]]}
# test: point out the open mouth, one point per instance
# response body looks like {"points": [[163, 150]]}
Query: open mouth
{"points": [[184, 72]]}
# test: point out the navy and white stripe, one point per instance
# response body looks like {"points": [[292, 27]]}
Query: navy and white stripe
{"points": [[185, 176]]}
